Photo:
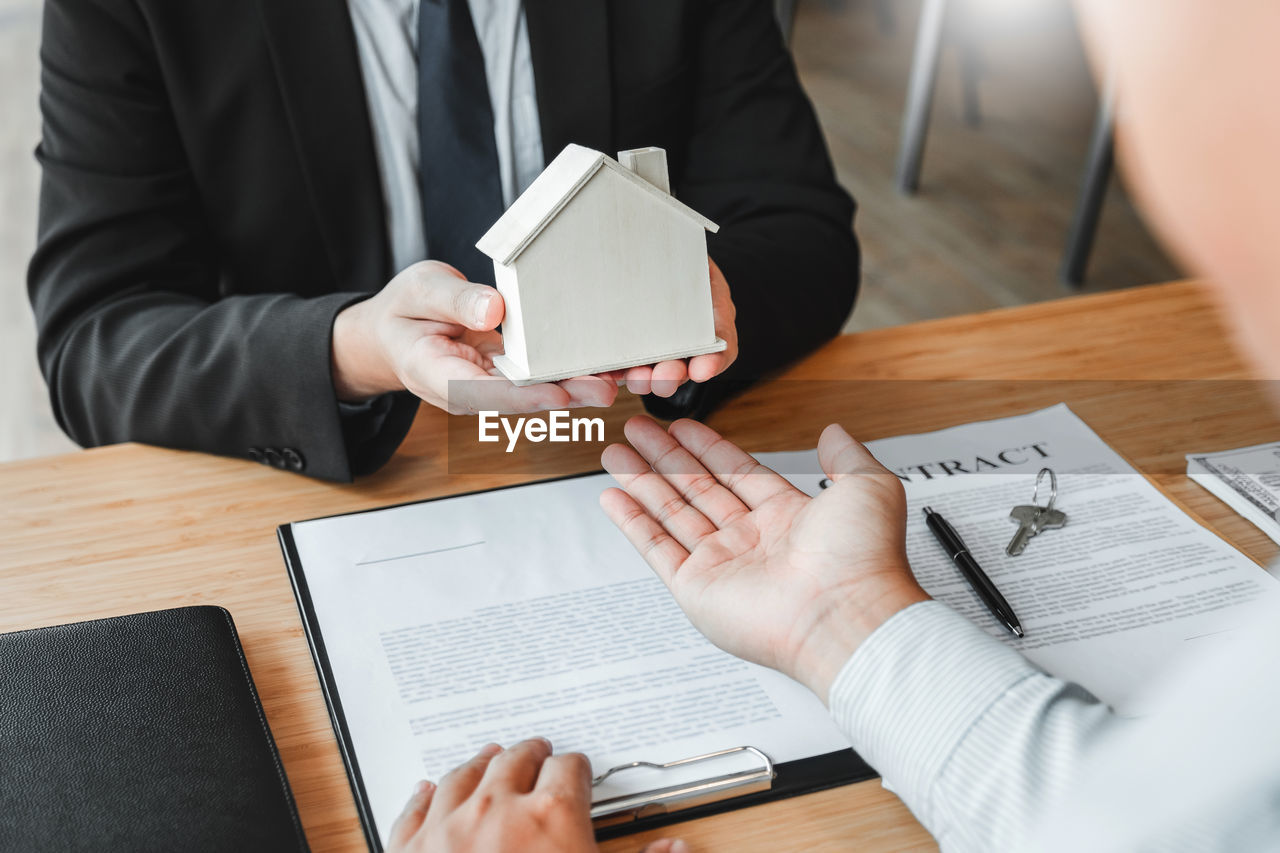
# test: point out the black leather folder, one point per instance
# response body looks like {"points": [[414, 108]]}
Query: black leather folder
{"points": [[140, 732]]}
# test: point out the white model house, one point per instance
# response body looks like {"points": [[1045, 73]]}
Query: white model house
{"points": [[601, 268]]}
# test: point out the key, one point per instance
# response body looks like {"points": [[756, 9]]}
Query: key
{"points": [[1031, 520], [1027, 517]]}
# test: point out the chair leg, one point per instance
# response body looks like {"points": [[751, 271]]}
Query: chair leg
{"points": [[924, 71], [1093, 191]]}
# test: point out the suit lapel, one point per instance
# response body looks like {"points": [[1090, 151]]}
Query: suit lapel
{"points": [[569, 45], [317, 67]]}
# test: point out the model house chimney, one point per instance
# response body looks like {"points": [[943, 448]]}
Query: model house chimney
{"points": [[648, 163]]}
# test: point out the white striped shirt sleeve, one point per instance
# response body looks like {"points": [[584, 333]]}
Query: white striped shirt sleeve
{"points": [[974, 738]]}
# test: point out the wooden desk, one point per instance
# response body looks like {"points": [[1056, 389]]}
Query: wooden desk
{"points": [[129, 528]]}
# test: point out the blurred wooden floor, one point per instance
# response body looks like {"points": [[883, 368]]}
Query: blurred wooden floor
{"points": [[985, 230], [989, 222]]}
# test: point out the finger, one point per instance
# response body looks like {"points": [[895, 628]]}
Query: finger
{"points": [[663, 554], [751, 482], [667, 377], [591, 391], [514, 771], [841, 455], [567, 777], [415, 811], [460, 782], [432, 349], [496, 393], [617, 377], [461, 386], [488, 344], [684, 472], [662, 502], [451, 382], [638, 379], [438, 292], [709, 366], [704, 367]]}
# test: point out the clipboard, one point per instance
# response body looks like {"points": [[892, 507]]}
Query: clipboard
{"points": [[716, 793]]}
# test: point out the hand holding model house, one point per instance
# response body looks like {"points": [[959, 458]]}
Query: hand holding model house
{"points": [[601, 269], [602, 277]]}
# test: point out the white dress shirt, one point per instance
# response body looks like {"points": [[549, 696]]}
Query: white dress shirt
{"points": [[990, 753], [387, 41]]}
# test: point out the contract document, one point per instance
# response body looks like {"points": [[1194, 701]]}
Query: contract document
{"points": [[518, 612]]}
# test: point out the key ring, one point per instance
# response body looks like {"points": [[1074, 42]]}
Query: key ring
{"points": [[1053, 488]]}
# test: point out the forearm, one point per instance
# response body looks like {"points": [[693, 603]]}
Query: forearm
{"points": [[975, 740], [138, 337], [243, 372]]}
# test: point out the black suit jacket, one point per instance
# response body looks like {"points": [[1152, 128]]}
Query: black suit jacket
{"points": [[211, 200]]}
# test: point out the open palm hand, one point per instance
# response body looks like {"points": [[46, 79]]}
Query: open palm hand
{"points": [[763, 570]]}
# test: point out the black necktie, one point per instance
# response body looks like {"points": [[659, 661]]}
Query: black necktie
{"points": [[457, 156]]}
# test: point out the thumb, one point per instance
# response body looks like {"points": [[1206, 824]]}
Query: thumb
{"points": [[437, 292], [415, 812], [841, 455]]}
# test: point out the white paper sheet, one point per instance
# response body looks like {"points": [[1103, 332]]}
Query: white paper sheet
{"points": [[521, 612], [1247, 479], [1108, 601]]}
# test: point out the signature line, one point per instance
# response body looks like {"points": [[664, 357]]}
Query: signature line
{"points": [[420, 554]]}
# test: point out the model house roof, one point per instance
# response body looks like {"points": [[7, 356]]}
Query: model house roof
{"points": [[555, 188]]}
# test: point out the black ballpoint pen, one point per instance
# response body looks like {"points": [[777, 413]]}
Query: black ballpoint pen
{"points": [[973, 573]]}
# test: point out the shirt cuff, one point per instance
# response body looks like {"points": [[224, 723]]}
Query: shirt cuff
{"points": [[913, 690]]}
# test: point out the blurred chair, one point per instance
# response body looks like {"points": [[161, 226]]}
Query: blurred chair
{"points": [[1098, 164], [915, 127]]}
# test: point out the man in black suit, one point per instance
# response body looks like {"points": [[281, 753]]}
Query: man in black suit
{"points": [[211, 203]]}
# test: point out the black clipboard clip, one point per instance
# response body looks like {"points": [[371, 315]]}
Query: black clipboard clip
{"points": [[632, 807]]}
